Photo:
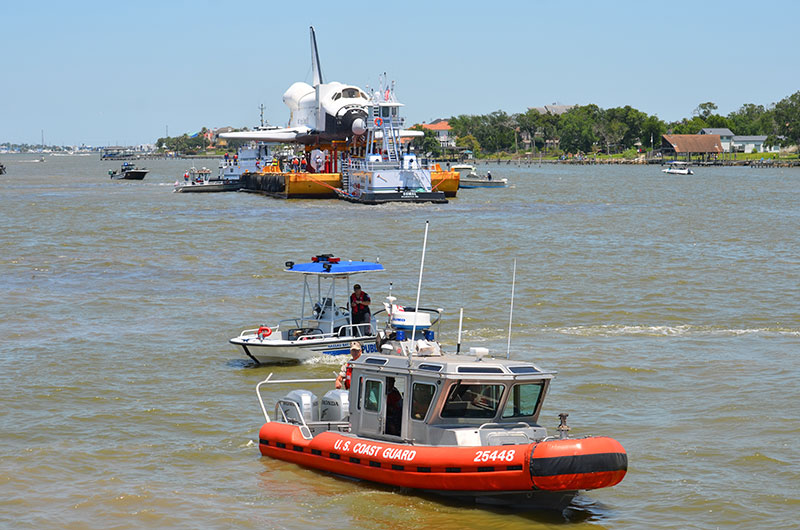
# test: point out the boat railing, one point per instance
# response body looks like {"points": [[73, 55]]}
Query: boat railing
{"points": [[351, 329], [269, 380]]}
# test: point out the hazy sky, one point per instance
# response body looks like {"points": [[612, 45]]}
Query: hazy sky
{"points": [[107, 72]]}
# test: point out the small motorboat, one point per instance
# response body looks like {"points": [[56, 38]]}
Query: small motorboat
{"points": [[200, 181], [2, 169], [325, 326], [459, 425], [468, 178], [128, 171], [678, 168]]}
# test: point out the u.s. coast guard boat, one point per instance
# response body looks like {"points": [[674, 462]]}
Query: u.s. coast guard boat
{"points": [[460, 425], [377, 170], [325, 326]]}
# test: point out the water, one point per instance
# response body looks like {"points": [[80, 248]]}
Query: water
{"points": [[668, 305]]}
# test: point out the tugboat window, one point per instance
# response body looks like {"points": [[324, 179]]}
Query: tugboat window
{"points": [[472, 401], [523, 400], [372, 396], [421, 397], [385, 112]]}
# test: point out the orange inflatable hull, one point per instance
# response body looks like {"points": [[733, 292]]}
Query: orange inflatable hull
{"points": [[557, 465]]}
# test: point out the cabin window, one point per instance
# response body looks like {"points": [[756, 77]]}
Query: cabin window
{"points": [[472, 401], [350, 93], [395, 392], [385, 112], [394, 111], [372, 395], [363, 95], [336, 96], [421, 397], [523, 400]]}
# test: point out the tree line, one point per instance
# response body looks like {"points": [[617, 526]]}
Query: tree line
{"points": [[588, 128]]}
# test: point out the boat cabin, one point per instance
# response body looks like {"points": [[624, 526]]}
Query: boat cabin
{"points": [[428, 398], [447, 399], [324, 308]]}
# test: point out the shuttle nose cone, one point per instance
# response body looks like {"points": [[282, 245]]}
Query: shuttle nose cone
{"points": [[359, 126]]}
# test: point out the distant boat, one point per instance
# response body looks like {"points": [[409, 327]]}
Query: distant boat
{"points": [[678, 168], [200, 181], [128, 171], [469, 179], [2, 169]]}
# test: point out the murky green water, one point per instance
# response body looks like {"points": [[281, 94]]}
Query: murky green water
{"points": [[668, 305]]}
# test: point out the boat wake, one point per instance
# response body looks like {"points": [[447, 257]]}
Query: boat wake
{"points": [[611, 330]]}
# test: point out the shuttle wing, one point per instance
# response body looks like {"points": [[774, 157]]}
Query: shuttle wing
{"points": [[287, 134]]}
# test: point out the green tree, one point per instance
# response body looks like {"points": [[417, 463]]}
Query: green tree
{"points": [[787, 118], [704, 110], [652, 130], [577, 128], [469, 142], [427, 143]]}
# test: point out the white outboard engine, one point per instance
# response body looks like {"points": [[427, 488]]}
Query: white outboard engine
{"points": [[335, 406], [306, 401]]}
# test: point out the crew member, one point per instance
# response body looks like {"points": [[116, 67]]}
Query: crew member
{"points": [[359, 308], [345, 375]]}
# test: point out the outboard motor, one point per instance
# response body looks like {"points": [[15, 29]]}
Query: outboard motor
{"points": [[306, 401], [335, 406]]}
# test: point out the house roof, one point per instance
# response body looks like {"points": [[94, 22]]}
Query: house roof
{"points": [[722, 131], [694, 143], [438, 125], [758, 138]]}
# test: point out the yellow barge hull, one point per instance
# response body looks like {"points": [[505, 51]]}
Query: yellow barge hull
{"points": [[322, 185]]}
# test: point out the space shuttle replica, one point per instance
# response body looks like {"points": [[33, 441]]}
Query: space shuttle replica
{"points": [[318, 113]]}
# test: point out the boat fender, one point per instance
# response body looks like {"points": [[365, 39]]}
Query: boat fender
{"points": [[378, 122], [263, 332]]}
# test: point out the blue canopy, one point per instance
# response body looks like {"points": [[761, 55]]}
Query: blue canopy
{"points": [[340, 268]]}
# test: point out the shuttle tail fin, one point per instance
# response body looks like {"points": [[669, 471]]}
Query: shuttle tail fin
{"points": [[315, 60]]}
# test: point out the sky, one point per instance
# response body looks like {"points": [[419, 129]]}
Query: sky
{"points": [[126, 73]]}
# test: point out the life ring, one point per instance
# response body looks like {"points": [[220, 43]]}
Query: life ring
{"points": [[263, 332], [378, 122]]}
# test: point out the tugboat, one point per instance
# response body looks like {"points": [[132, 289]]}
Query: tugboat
{"points": [[128, 171], [385, 173], [324, 328], [459, 425]]}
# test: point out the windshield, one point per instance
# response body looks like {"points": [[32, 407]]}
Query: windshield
{"points": [[523, 400], [472, 401]]}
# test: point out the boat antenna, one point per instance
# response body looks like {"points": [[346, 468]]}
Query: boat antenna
{"points": [[511, 312], [460, 319], [419, 286]]}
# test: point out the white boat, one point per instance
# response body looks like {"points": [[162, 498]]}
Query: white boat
{"points": [[381, 172], [324, 328], [251, 159], [468, 178], [678, 168], [200, 181]]}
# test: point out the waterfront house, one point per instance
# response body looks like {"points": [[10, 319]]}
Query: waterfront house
{"points": [[441, 128], [725, 136], [750, 144], [703, 146]]}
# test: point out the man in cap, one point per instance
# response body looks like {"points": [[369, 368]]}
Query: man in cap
{"points": [[347, 369]]}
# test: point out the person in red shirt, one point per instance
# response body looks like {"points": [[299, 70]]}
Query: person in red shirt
{"points": [[359, 307]]}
